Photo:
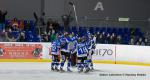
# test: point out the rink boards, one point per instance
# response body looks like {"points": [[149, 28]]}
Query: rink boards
{"points": [[104, 53]]}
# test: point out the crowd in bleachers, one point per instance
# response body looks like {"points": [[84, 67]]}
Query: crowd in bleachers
{"points": [[26, 31], [113, 35]]}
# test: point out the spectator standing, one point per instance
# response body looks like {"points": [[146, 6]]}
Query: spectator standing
{"points": [[53, 37], [14, 24], [66, 20], [40, 23], [21, 25], [2, 19], [22, 37], [49, 28], [56, 26]]}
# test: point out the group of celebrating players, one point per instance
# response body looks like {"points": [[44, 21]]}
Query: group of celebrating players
{"points": [[81, 46]]}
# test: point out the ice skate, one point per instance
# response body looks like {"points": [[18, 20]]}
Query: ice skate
{"points": [[81, 70], [92, 69], [87, 70], [61, 70], [52, 69], [56, 69], [68, 69]]}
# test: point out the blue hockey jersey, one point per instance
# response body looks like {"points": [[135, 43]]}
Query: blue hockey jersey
{"points": [[64, 42], [55, 47], [82, 50]]}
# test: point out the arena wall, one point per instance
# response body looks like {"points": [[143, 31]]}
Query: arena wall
{"points": [[104, 53], [87, 16]]}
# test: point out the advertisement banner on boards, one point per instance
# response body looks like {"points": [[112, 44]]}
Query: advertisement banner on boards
{"points": [[20, 50], [104, 52]]}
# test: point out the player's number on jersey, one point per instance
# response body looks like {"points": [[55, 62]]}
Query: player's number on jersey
{"points": [[82, 50], [54, 48]]}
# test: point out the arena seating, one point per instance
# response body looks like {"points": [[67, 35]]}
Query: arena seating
{"points": [[124, 32]]}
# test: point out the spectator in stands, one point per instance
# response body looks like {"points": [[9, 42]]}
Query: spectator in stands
{"points": [[8, 37], [98, 37], [53, 37], [147, 35], [53, 31], [103, 38], [27, 27], [5, 37], [67, 20], [56, 26], [2, 19], [132, 32], [140, 42], [39, 20], [22, 37], [14, 24], [113, 39], [50, 28], [132, 41], [108, 40], [2, 37], [21, 25], [119, 39], [40, 23], [7, 28], [45, 38], [146, 41], [147, 38]]}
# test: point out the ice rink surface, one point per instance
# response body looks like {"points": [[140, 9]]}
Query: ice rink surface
{"points": [[41, 71]]}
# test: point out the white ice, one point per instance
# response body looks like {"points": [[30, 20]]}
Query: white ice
{"points": [[41, 71]]}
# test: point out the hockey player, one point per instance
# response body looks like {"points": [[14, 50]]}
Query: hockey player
{"points": [[91, 47], [72, 48], [65, 53], [82, 52], [55, 55]]}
